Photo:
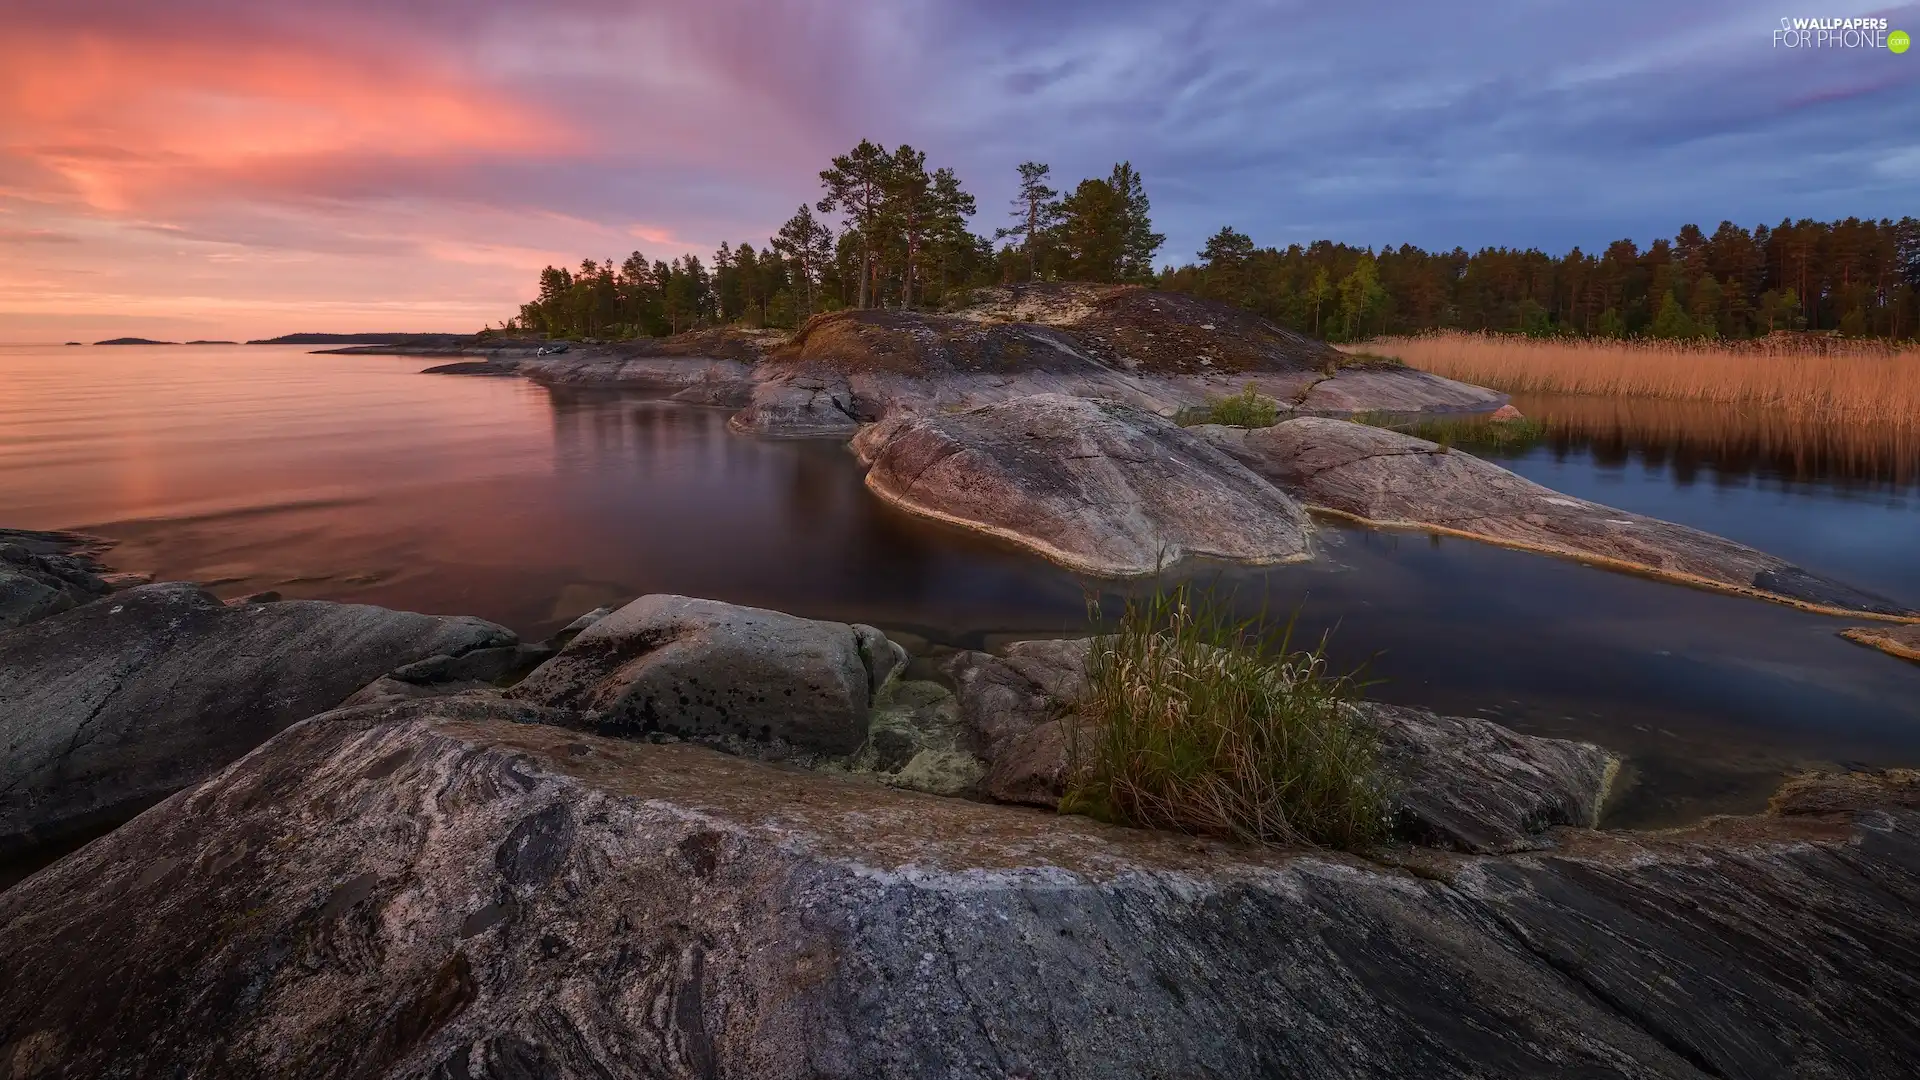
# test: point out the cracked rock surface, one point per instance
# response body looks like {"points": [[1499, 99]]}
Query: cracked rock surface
{"points": [[109, 706], [443, 889], [1096, 486], [1388, 478]]}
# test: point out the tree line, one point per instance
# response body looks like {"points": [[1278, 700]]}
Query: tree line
{"points": [[1855, 277], [885, 231]]}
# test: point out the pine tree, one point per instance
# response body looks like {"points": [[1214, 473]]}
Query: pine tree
{"points": [[808, 245], [909, 208], [1141, 242], [1092, 232], [856, 186], [1034, 210], [947, 222]]}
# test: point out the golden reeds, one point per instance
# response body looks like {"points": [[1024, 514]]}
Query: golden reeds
{"points": [[1828, 379], [1730, 439]]}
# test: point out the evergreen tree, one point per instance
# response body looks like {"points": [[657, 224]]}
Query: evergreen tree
{"points": [[909, 210], [856, 186], [956, 248], [808, 244], [1140, 241], [1034, 211], [1091, 235], [1672, 322]]}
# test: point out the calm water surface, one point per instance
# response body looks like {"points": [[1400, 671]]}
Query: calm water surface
{"points": [[356, 478]]}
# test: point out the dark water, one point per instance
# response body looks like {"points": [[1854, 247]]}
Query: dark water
{"points": [[354, 478]]}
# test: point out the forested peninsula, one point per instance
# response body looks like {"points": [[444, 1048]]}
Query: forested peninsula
{"points": [[887, 231]]}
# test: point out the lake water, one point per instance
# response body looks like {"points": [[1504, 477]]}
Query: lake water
{"points": [[355, 478]]}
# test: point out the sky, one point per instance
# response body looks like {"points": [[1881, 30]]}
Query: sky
{"points": [[243, 168]]}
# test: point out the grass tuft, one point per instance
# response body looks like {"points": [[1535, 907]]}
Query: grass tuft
{"points": [[1247, 409], [1198, 723]]}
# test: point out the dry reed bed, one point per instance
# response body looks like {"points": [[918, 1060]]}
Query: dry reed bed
{"points": [[1731, 439], [1825, 379]]}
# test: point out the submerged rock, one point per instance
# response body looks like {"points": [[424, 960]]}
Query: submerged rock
{"points": [[440, 889], [1096, 486], [45, 573], [685, 667], [1387, 478], [107, 707], [475, 367]]}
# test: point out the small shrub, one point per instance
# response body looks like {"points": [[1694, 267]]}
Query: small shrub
{"points": [[1197, 723], [1247, 409]]}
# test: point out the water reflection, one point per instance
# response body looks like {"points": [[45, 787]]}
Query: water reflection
{"points": [[353, 478], [1843, 502], [1736, 444]]}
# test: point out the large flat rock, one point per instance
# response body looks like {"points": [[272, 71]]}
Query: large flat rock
{"points": [[1096, 486], [111, 705], [441, 889], [1388, 478]]}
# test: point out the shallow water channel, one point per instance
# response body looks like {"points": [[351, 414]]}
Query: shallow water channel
{"points": [[355, 478]]}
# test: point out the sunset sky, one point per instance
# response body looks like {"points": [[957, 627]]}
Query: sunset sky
{"points": [[232, 169]]}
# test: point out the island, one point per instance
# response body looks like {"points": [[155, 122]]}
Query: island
{"points": [[355, 339], [132, 341]]}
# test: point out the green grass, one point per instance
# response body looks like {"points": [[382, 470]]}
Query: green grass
{"points": [[1199, 723], [1247, 409]]}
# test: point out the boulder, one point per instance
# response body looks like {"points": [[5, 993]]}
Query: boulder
{"points": [[685, 667], [1472, 785], [1454, 782], [112, 705], [45, 573], [1015, 707], [1387, 478], [799, 407], [1096, 486], [441, 889]]}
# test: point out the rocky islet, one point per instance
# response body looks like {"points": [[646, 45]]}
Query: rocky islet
{"points": [[1042, 414], [405, 845]]}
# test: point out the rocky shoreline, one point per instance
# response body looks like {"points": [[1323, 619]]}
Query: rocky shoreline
{"points": [[703, 840], [689, 838], [1045, 415]]}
